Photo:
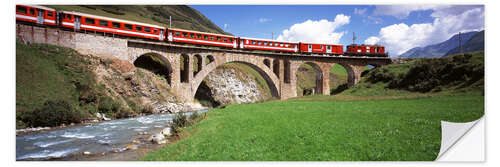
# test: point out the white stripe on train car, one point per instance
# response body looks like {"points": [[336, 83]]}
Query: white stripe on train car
{"points": [[122, 31], [69, 24], [267, 47], [26, 17], [184, 39], [50, 21]]}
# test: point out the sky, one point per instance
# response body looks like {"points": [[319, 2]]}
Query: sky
{"points": [[398, 27]]}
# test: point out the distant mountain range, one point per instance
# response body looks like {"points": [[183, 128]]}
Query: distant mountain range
{"points": [[472, 41], [476, 43]]}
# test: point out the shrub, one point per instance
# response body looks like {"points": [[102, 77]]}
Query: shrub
{"points": [[108, 105], [53, 113], [180, 120], [148, 109], [124, 113]]}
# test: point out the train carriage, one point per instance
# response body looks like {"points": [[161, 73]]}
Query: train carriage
{"points": [[315, 48], [201, 38], [366, 50], [82, 21], [36, 14], [266, 44]]}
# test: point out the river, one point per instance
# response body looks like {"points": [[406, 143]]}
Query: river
{"points": [[100, 137]]}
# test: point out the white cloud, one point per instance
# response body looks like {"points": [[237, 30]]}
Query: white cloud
{"points": [[225, 26], [263, 20], [372, 40], [398, 38], [360, 11], [322, 31]]}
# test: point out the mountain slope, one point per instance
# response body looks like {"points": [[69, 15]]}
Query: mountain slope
{"points": [[476, 43], [437, 50], [183, 16]]}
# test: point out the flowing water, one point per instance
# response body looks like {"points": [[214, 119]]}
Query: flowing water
{"points": [[100, 137]]}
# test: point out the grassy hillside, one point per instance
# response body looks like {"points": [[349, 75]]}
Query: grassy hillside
{"points": [[458, 73], [57, 85], [183, 16]]}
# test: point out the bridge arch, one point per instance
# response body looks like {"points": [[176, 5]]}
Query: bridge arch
{"points": [[319, 75], [155, 63], [271, 79], [352, 76]]}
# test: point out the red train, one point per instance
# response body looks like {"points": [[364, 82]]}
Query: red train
{"points": [[86, 22]]}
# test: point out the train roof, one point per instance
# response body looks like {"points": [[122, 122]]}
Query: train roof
{"points": [[267, 40], [364, 45], [320, 43], [178, 29], [40, 7], [113, 19]]}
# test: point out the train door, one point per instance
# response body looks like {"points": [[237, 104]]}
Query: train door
{"points": [[242, 43], [328, 49], [169, 37], [309, 48], [39, 16], [77, 22], [235, 44]]}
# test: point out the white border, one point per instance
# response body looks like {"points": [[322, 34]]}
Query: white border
{"points": [[492, 90]]}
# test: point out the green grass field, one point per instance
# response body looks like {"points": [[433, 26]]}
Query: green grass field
{"points": [[324, 130]]}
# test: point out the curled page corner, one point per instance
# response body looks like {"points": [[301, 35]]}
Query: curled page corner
{"points": [[451, 132]]}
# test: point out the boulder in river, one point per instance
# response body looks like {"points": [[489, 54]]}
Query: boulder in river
{"points": [[158, 138], [166, 131]]}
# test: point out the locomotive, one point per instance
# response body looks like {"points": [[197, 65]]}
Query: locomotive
{"points": [[77, 21]]}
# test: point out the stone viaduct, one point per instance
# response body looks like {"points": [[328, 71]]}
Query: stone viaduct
{"points": [[279, 70]]}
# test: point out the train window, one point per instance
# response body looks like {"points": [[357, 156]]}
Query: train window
{"points": [[225, 39], [287, 45], [276, 44], [328, 47], [89, 21], [259, 43], [21, 9], [265, 43], [292, 45], [218, 39], [198, 36], [253, 42], [270, 44], [185, 34], [103, 23], [32, 11], [147, 29], [50, 14], [205, 37], [191, 36], [138, 28], [321, 47], [231, 40], [155, 31], [177, 33], [212, 38], [115, 25], [128, 26], [281, 44]]}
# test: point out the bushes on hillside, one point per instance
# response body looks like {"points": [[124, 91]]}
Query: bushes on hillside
{"points": [[53, 113], [425, 75], [180, 120]]}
